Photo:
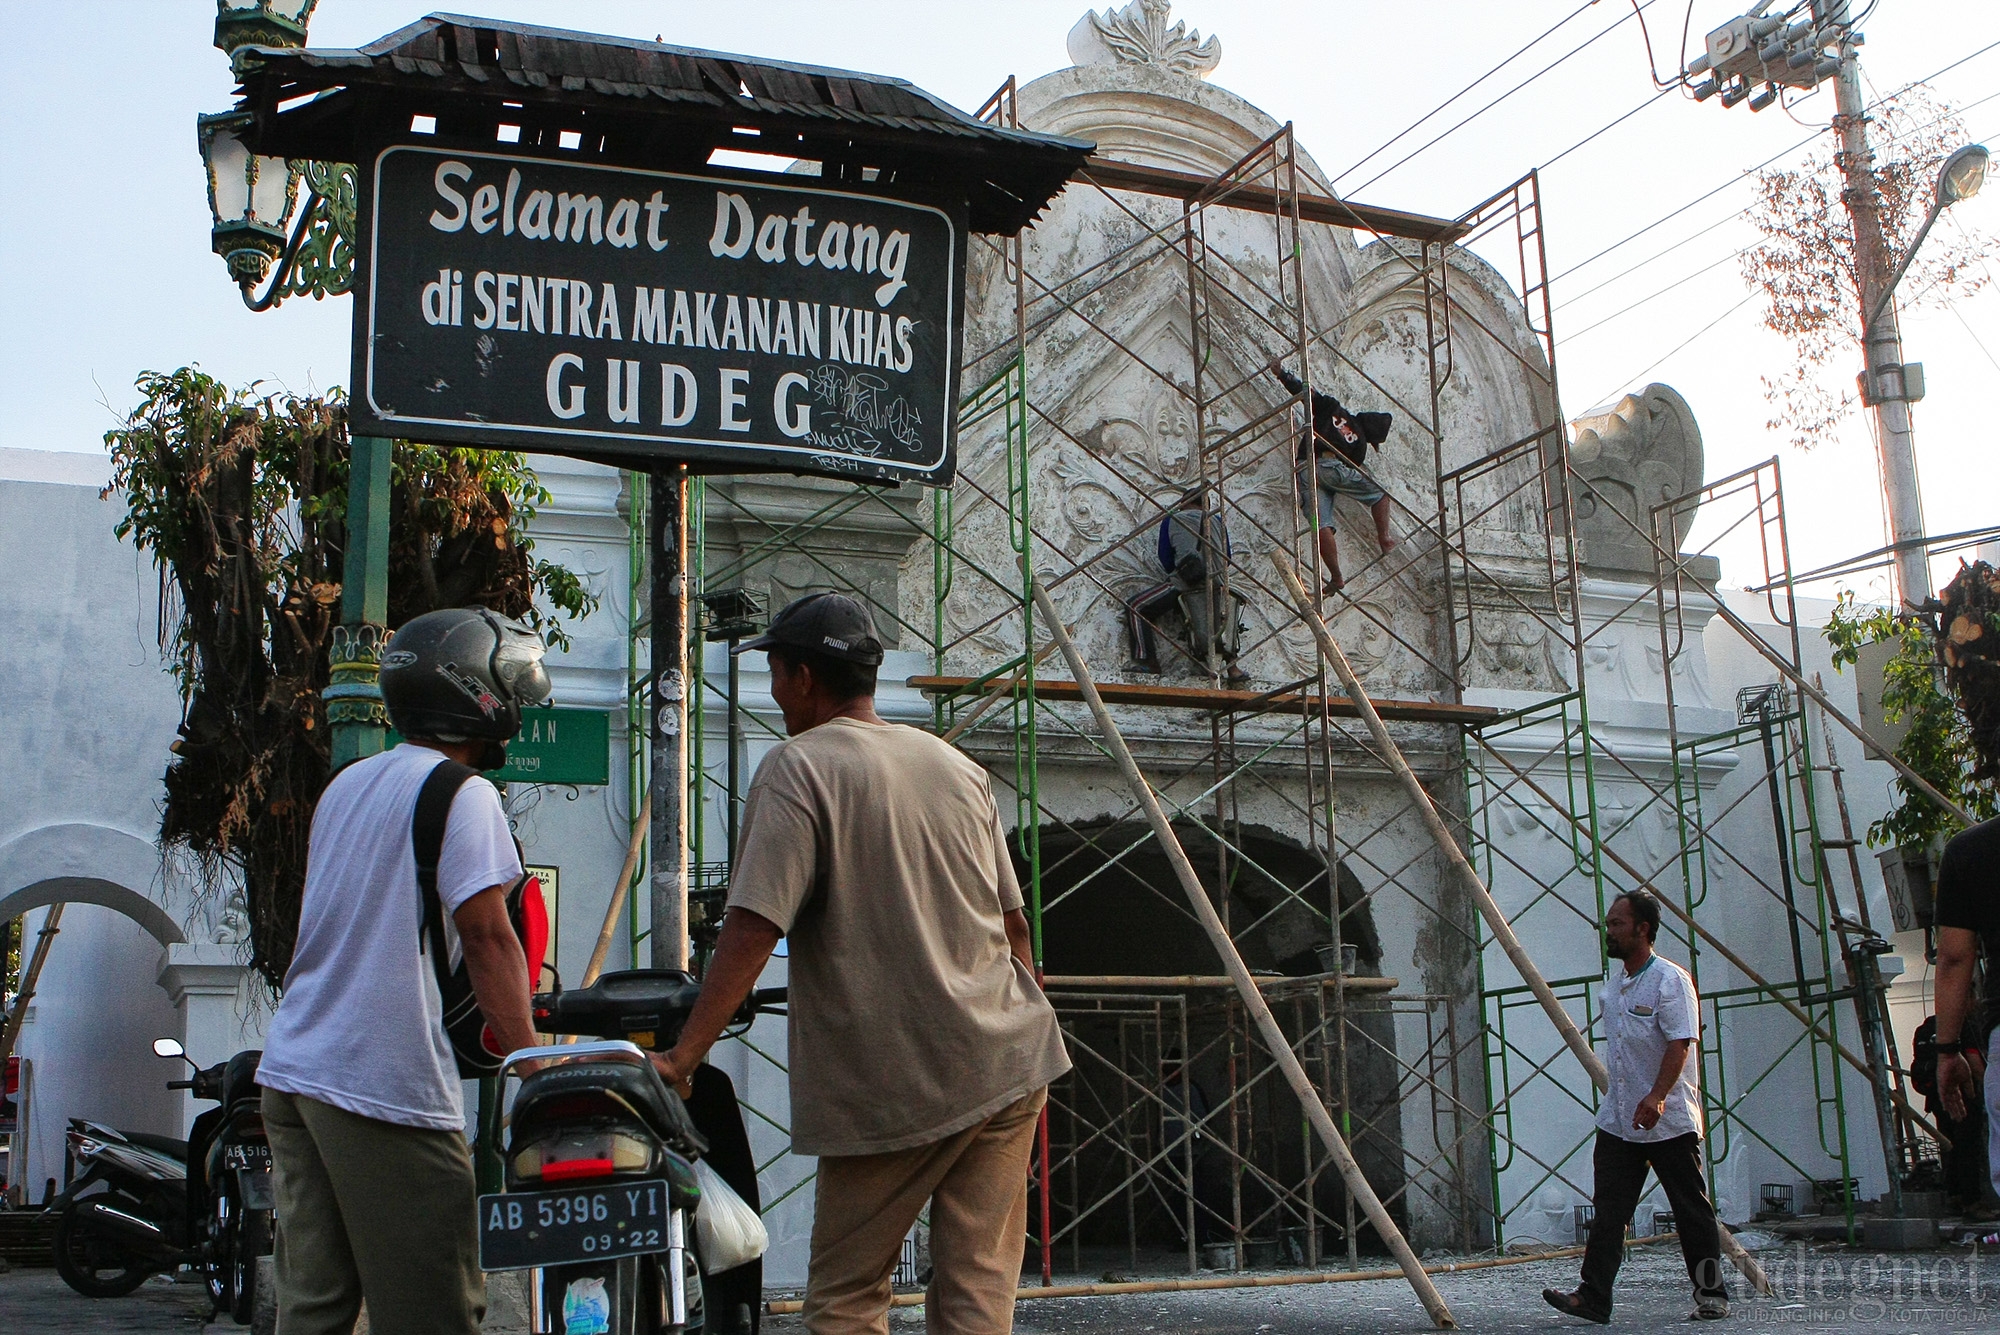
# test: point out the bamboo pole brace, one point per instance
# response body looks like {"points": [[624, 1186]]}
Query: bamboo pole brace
{"points": [[609, 932], [1496, 921], [44, 938], [1888, 753], [1246, 986], [1757, 980]]}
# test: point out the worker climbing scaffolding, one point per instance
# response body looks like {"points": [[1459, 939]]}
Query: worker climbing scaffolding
{"points": [[1331, 452]]}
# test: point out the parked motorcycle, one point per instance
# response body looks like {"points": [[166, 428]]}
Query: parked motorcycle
{"points": [[601, 1188], [165, 1203]]}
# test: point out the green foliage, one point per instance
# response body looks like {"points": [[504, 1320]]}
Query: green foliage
{"points": [[1939, 744], [241, 498]]}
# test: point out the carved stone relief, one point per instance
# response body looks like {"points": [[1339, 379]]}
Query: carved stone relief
{"points": [[1138, 35], [1628, 457]]}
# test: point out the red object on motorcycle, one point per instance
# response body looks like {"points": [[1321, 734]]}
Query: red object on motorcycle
{"points": [[565, 1170]]}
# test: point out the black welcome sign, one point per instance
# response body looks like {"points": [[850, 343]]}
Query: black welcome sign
{"points": [[521, 303]]}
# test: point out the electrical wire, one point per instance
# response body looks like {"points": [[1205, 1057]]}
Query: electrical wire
{"points": [[1604, 129], [1653, 66], [1723, 221], [1384, 146], [1429, 144], [1678, 347], [1751, 171], [1678, 282], [1687, 278], [1740, 213]]}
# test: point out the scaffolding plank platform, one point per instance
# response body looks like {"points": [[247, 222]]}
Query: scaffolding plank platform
{"points": [[1115, 175], [1221, 701]]}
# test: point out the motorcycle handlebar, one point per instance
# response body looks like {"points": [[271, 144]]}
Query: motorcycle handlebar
{"points": [[180, 1084]]}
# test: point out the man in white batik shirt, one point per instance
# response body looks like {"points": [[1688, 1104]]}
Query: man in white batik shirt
{"points": [[1650, 1117]]}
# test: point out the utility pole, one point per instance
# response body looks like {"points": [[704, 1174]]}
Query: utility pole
{"points": [[1885, 382], [668, 546], [1777, 52]]}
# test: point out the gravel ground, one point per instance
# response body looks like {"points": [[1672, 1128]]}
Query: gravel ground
{"points": [[1829, 1288]]}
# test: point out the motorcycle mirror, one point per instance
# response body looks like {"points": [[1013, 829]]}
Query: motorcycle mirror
{"points": [[168, 1047]]}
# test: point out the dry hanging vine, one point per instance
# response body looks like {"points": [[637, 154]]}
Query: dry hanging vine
{"points": [[242, 500], [1805, 266]]}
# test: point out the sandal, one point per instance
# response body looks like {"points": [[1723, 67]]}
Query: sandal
{"points": [[1334, 584], [1571, 1304]]}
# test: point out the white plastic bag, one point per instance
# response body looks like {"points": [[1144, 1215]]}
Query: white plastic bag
{"points": [[726, 1229]]}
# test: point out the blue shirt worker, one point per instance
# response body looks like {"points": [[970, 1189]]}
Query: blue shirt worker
{"points": [[1650, 1117]]}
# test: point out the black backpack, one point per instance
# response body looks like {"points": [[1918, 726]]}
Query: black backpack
{"points": [[464, 1025]]}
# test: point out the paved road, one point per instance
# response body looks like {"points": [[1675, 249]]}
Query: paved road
{"points": [[37, 1300], [1824, 1289], [1830, 1290]]}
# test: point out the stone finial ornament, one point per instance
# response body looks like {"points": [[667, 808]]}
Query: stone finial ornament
{"points": [[1628, 457], [1138, 35]]}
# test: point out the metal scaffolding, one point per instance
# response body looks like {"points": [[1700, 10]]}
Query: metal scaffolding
{"points": [[1170, 1136]]}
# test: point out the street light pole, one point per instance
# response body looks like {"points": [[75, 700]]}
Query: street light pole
{"points": [[357, 721], [1884, 386]]}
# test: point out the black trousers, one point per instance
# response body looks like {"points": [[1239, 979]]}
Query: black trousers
{"points": [[1621, 1176]]}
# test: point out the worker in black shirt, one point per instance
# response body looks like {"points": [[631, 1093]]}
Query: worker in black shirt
{"points": [[1330, 455], [1968, 922]]}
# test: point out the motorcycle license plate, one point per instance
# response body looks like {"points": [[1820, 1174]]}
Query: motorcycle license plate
{"points": [[256, 1189], [519, 1229]]}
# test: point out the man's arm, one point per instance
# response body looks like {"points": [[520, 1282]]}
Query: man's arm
{"points": [[1956, 949], [1672, 1062], [741, 952], [1021, 940], [497, 966]]}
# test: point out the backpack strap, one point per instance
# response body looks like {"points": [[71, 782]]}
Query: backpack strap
{"points": [[434, 800]]}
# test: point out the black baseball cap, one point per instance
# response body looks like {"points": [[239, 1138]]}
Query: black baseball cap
{"points": [[823, 623]]}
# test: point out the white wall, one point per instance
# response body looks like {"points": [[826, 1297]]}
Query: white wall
{"points": [[86, 715]]}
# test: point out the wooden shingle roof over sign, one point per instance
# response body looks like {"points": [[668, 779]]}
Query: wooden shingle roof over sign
{"points": [[633, 103]]}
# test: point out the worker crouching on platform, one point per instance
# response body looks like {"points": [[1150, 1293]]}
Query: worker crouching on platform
{"points": [[1650, 1116], [1331, 451], [921, 1044]]}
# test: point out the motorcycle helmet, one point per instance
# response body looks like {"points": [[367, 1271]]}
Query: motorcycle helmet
{"points": [[462, 673]]}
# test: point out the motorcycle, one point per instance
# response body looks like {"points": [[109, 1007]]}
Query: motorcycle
{"points": [[600, 1185], [206, 1201]]}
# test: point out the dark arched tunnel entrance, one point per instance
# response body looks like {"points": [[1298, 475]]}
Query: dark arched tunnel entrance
{"points": [[1114, 913]]}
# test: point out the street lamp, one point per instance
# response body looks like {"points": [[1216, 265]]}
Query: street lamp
{"points": [[241, 23], [249, 196], [1960, 178]]}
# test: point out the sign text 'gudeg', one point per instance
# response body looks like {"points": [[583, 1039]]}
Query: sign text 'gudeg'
{"points": [[522, 303]]}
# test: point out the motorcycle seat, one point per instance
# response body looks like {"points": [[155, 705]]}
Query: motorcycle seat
{"points": [[162, 1144], [239, 1078], [545, 1098]]}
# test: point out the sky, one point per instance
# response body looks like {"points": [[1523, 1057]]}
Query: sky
{"points": [[105, 267]]}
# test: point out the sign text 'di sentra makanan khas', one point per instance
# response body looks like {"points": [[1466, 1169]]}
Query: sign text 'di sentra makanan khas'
{"points": [[520, 303]]}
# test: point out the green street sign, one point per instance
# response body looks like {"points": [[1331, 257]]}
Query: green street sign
{"points": [[562, 746]]}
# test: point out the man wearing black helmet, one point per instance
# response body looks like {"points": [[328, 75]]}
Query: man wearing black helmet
{"points": [[921, 1044], [376, 1196]]}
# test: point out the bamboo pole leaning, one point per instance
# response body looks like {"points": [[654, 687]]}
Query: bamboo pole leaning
{"points": [[1246, 987], [1496, 921], [51, 927]]}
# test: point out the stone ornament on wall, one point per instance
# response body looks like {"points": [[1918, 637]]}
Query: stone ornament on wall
{"points": [[1138, 35], [1630, 456]]}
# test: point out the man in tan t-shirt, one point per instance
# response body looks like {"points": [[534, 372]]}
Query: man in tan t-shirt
{"points": [[921, 1045]]}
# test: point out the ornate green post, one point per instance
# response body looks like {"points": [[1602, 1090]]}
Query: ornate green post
{"points": [[354, 711]]}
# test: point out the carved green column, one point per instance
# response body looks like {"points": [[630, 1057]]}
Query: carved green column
{"points": [[354, 709]]}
